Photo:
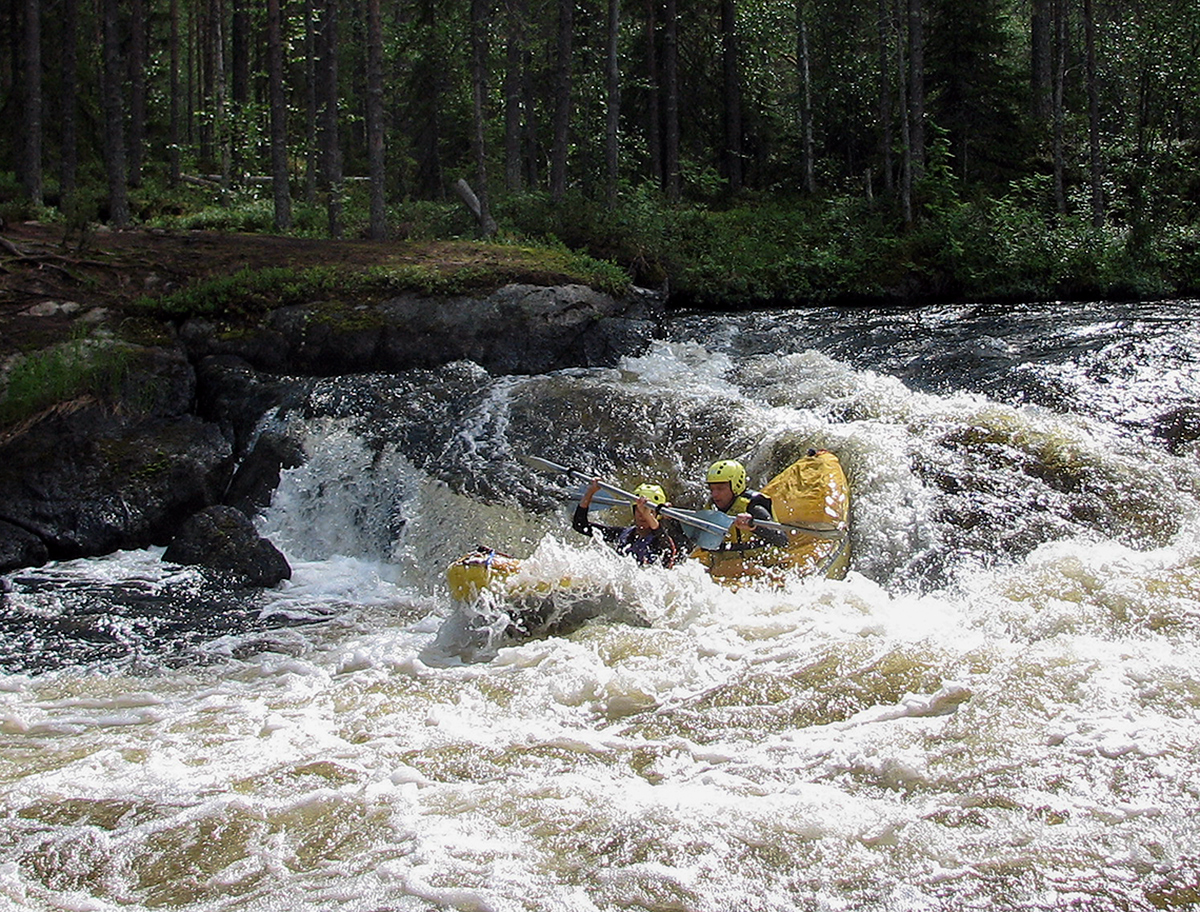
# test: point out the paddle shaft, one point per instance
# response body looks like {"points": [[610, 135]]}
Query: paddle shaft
{"points": [[683, 516]]}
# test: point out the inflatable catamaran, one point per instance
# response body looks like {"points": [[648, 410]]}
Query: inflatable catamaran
{"points": [[810, 501]]}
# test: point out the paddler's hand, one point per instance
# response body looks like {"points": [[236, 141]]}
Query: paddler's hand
{"points": [[744, 521], [643, 510], [589, 493]]}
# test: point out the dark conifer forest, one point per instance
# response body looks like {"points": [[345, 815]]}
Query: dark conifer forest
{"points": [[744, 151]]}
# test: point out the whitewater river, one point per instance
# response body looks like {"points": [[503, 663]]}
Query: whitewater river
{"points": [[997, 709]]}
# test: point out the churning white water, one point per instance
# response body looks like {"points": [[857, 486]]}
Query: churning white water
{"points": [[997, 709]]}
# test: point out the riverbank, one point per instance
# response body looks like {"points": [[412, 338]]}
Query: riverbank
{"points": [[53, 284]]}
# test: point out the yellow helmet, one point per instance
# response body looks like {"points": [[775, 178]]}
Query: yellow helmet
{"points": [[729, 470], [652, 492]]}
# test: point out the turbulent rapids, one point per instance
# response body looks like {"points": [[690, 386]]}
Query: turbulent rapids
{"points": [[997, 708]]}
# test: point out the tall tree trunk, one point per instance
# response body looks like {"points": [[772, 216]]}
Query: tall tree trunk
{"points": [[731, 67], [906, 164], [1041, 56], [375, 150], [240, 44], [205, 79], [137, 90], [240, 87], [174, 164], [69, 164], [916, 85], [514, 65], [429, 84], [31, 165], [531, 146], [331, 148], [562, 100], [885, 95], [612, 133], [1093, 92], [653, 112], [1060, 78], [10, 74], [479, 24], [219, 89], [312, 102], [278, 104], [809, 181], [194, 83], [114, 118], [671, 103]]}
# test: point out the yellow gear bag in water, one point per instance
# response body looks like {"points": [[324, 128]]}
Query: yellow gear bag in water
{"points": [[813, 492]]}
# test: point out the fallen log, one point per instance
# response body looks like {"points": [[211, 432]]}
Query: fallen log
{"points": [[484, 219]]}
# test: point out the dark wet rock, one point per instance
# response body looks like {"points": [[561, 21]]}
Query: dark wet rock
{"points": [[19, 548], [1179, 428], [235, 396], [87, 477], [519, 329], [88, 482], [222, 538], [258, 476]]}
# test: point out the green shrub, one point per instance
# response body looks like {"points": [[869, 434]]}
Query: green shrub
{"points": [[254, 291], [76, 368]]}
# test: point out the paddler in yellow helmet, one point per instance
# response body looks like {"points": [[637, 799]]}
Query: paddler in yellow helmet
{"points": [[647, 540], [744, 544]]}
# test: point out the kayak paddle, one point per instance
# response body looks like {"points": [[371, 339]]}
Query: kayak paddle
{"points": [[711, 533], [713, 525]]}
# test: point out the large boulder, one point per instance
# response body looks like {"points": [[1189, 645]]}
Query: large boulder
{"points": [[20, 548], [84, 483], [90, 477], [223, 539], [258, 475], [520, 329], [234, 396]]}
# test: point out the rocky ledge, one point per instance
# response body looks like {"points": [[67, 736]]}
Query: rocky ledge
{"points": [[90, 477]]}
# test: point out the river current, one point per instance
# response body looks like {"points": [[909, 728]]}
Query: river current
{"points": [[997, 709]]}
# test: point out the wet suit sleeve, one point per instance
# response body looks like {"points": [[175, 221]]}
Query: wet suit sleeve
{"points": [[760, 509], [667, 552], [580, 523]]}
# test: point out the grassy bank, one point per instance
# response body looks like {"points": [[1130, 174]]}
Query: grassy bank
{"points": [[434, 269], [80, 367]]}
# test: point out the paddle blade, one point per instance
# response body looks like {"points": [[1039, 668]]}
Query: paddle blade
{"points": [[545, 465], [707, 527], [709, 541]]}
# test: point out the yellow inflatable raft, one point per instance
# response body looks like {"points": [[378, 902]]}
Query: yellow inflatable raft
{"points": [[474, 572], [811, 493]]}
